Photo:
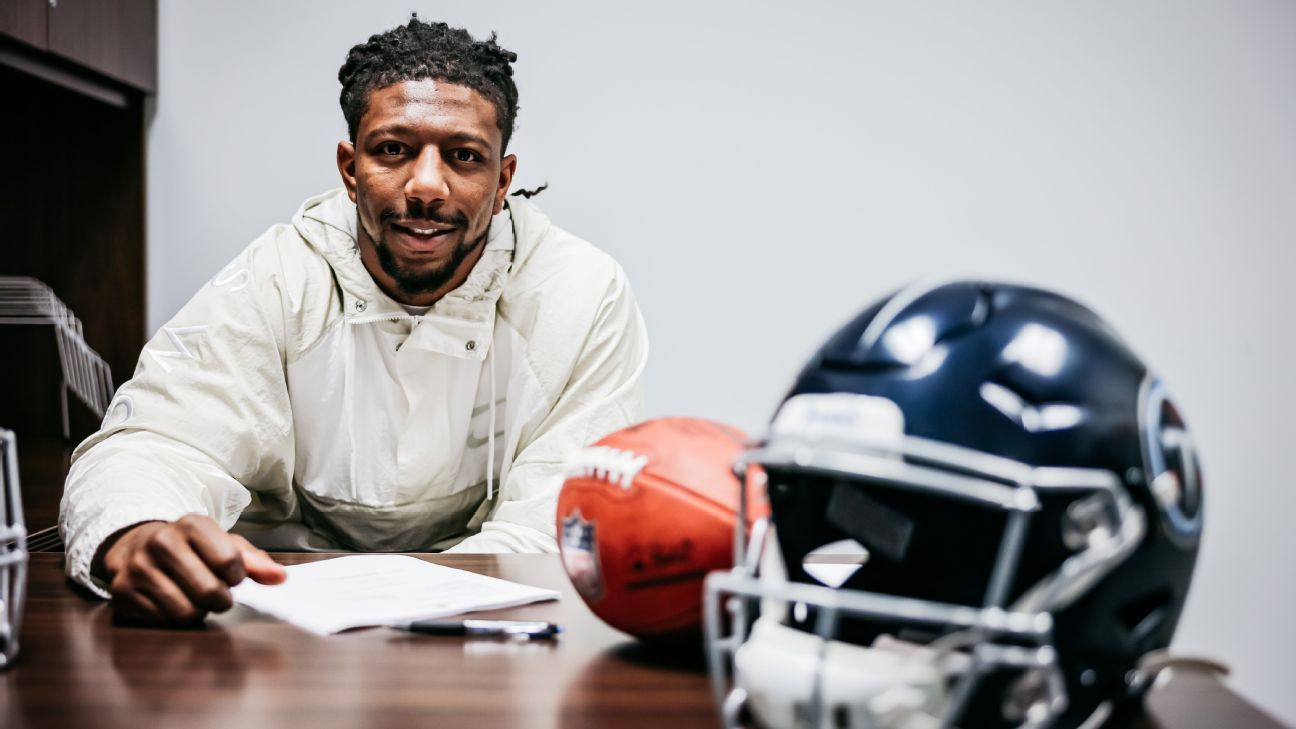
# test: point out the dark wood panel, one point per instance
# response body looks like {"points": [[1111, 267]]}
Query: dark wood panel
{"points": [[115, 37], [78, 668], [42, 469], [26, 20], [72, 212], [62, 72]]}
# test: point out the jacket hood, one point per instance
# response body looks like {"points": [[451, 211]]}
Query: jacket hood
{"points": [[327, 222]]}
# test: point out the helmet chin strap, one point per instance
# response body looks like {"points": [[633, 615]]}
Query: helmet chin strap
{"points": [[890, 685], [900, 703], [904, 707]]}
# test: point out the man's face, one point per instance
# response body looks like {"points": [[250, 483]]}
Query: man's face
{"points": [[426, 176]]}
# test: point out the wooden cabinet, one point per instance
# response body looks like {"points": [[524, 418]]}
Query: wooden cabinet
{"points": [[115, 39], [75, 75], [26, 20]]}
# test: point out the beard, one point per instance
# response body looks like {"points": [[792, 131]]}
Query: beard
{"points": [[424, 280]]}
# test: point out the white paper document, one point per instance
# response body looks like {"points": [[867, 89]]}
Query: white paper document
{"points": [[379, 589]]}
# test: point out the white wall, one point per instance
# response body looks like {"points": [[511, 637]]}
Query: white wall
{"points": [[763, 172]]}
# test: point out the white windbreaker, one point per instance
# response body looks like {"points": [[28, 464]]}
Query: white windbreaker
{"points": [[294, 402]]}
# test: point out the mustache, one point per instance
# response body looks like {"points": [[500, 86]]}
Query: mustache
{"points": [[422, 212]]}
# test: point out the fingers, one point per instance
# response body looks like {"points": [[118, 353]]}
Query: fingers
{"points": [[171, 599], [218, 549], [135, 605], [178, 560], [177, 572], [260, 566], [144, 592]]}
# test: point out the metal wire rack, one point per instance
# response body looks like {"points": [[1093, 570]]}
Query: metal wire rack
{"points": [[26, 300], [13, 551]]}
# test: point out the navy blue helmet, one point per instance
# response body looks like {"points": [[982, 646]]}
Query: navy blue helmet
{"points": [[985, 511]]}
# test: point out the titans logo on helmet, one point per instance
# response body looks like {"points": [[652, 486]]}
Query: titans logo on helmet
{"points": [[1173, 473]]}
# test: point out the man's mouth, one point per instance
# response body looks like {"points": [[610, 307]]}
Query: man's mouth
{"points": [[424, 230]]}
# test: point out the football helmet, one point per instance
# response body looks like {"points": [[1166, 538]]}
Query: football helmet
{"points": [[13, 551], [985, 512]]}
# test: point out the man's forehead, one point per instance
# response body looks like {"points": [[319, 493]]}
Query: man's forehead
{"points": [[409, 103]]}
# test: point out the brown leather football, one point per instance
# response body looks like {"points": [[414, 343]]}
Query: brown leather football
{"points": [[645, 513]]}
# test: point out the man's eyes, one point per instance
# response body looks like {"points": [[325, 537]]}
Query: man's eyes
{"points": [[395, 149]]}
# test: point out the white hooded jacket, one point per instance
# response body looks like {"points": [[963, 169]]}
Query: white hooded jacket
{"points": [[294, 402]]}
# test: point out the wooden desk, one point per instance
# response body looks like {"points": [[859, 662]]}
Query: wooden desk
{"points": [[78, 669]]}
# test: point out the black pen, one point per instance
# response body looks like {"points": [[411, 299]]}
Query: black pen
{"points": [[484, 628]]}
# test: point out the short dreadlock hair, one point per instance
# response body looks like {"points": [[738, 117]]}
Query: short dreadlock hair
{"points": [[419, 50]]}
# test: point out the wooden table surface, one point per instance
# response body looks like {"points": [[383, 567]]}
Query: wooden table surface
{"points": [[77, 668]]}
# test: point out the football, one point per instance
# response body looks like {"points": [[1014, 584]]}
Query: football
{"points": [[645, 513]]}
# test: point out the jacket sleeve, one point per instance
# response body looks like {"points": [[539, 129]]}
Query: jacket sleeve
{"points": [[604, 393], [205, 416]]}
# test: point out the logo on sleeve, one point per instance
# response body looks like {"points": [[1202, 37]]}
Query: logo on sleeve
{"points": [[181, 351]]}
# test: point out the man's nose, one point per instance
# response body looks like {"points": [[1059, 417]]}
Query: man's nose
{"points": [[428, 182]]}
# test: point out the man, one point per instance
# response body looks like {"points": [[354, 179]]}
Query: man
{"points": [[404, 367]]}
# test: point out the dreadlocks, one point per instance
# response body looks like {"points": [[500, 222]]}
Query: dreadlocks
{"points": [[417, 51]]}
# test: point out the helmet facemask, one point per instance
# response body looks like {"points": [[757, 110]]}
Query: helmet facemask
{"points": [[904, 582]]}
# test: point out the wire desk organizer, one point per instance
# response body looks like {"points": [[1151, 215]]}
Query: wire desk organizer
{"points": [[26, 300], [13, 551]]}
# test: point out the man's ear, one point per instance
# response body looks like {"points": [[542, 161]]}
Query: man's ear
{"points": [[346, 167], [508, 166]]}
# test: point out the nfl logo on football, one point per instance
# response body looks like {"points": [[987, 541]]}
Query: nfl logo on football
{"points": [[579, 557]]}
